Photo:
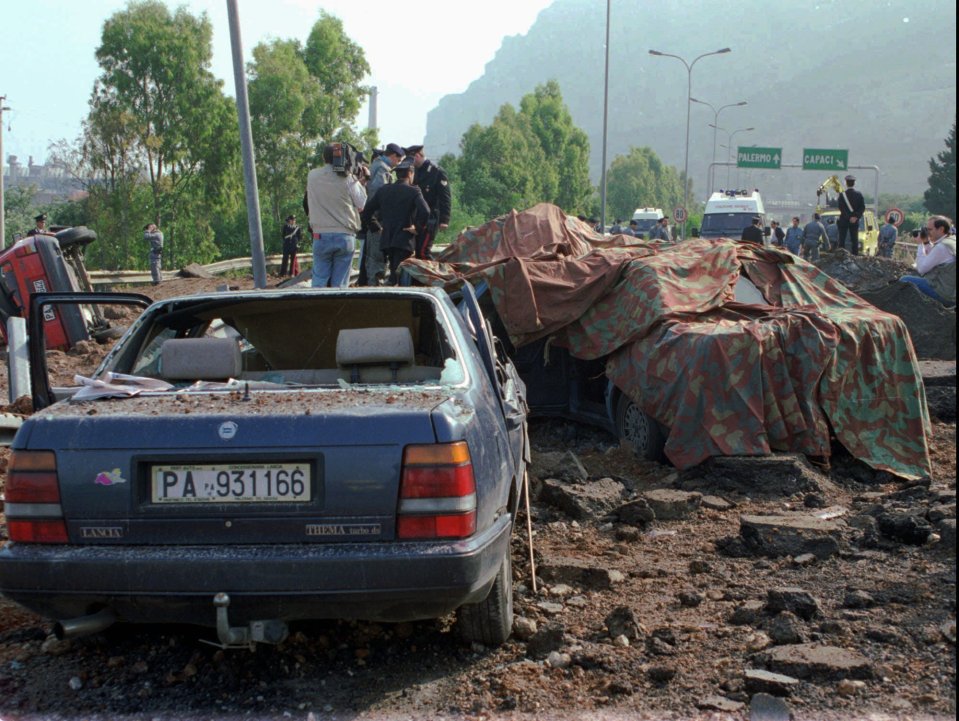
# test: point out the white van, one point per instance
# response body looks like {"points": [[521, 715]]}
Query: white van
{"points": [[728, 212], [646, 218]]}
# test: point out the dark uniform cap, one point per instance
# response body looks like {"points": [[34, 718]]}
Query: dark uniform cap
{"points": [[38, 218], [413, 149], [405, 164], [851, 177], [291, 217], [394, 149], [756, 218]]}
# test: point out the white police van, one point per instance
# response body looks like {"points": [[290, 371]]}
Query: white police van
{"points": [[646, 219], [728, 212]]}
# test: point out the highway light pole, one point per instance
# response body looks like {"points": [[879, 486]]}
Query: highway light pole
{"points": [[709, 180], [729, 145], [689, 94], [3, 228]]}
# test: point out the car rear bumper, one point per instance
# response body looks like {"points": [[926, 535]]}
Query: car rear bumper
{"points": [[399, 581]]}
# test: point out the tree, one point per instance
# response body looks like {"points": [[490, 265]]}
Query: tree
{"points": [[941, 196], [156, 92], [641, 179], [565, 148], [525, 157], [339, 65]]}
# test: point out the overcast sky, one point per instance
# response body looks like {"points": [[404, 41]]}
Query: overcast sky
{"points": [[47, 64]]}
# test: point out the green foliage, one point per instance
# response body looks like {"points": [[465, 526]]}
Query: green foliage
{"points": [[339, 65], [18, 211], [640, 179], [158, 113], [941, 195], [523, 158]]}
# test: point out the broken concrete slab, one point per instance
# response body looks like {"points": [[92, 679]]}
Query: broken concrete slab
{"points": [[812, 661], [765, 707], [563, 466], [717, 503], [583, 501], [773, 475], [719, 703], [562, 569], [758, 680], [794, 600], [947, 534], [671, 505], [908, 528], [636, 513], [791, 535]]}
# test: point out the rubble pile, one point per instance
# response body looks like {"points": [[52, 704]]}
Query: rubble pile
{"points": [[932, 326]]}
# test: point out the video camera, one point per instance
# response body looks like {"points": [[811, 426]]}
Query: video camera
{"points": [[344, 157]]}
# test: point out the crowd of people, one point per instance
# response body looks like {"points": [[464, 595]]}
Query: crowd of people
{"points": [[396, 205]]}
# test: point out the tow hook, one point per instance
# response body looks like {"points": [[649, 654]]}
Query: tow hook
{"points": [[264, 631]]}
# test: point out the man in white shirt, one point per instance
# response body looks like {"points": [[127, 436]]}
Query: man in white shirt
{"points": [[936, 262], [334, 202]]}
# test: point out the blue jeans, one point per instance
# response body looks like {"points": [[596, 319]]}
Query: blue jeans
{"points": [[925, 287], [332, 259]]}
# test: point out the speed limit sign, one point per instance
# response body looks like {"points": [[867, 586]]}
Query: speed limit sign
{"points": [[679, 214], [895, 216]]}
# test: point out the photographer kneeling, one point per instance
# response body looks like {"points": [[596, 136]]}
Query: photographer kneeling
{"points": [[334, 200], [936, 262]]}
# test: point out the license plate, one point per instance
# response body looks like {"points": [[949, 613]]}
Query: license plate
{"points": [[232, 483]]}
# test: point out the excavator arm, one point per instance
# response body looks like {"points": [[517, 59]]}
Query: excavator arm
{"points": [[831, 183]]}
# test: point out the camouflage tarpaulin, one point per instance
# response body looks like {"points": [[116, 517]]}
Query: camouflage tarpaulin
{"points": [[726, 378]]}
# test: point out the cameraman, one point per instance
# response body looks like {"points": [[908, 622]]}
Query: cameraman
{"points": [[334, 198]]}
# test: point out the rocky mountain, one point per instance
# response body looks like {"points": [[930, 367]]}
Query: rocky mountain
{"points": [[876, 78]]}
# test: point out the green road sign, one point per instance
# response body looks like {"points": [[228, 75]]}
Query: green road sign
{"points": [[754, 157], [824, 159]]}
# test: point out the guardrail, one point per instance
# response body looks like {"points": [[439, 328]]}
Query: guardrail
{"points": [[116, 277]]}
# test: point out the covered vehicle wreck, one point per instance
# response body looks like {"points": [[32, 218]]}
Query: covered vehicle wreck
{"points": [[733, 349]]}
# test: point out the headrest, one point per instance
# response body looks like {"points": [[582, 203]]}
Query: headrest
{"points": [[365, 346], [200, 359]]}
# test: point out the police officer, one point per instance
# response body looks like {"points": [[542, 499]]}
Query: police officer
{"points": [[403, 213], [41, 225], [753, 233], [291, 246], [435, 186], [851, 207]]}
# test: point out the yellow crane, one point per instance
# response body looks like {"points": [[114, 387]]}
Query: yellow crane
{"points": [[831, 183]]}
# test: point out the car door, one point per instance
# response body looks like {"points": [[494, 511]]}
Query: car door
{"points": [[510, 389], [43, 393]]}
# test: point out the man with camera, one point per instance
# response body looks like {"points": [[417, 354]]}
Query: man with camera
{"points": [[936, 262], [435, 186], [334, 199]]}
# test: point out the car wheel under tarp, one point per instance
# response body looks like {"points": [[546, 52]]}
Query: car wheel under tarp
{"points": [[77, 235], [490, 621], [644, 435]]}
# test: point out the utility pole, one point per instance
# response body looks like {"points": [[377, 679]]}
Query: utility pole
{"points": [[3, 207], [602, 222], [374, 94], [246, 146]]}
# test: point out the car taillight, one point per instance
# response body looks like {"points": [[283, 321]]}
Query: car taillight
{"points": [[437, 492], [32, 499]]}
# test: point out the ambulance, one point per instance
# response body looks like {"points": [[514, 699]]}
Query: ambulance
{"points": [[728, 212]]}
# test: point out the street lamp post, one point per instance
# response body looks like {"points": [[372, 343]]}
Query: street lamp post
{"points": [[729, 145], [689, 94], [716, 113]]}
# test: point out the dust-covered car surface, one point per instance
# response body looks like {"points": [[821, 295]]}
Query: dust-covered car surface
{"points": [[241, 460]]}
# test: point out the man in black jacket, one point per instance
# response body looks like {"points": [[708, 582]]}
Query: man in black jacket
{"points": [[851, 207], [753, 233], [403, 213], [435, 186]]}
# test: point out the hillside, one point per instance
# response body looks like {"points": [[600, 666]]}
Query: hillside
{"points": [[870, 77]]}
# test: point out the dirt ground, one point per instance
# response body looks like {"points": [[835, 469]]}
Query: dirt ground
{"points": [[657, 598]]}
